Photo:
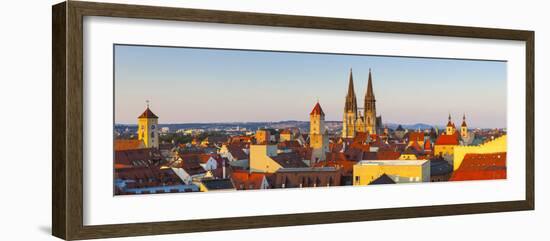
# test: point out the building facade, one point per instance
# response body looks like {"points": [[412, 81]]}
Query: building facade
{"points": [[365, 172]]}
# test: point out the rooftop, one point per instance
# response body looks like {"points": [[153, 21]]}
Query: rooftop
{"points": [[307, 169], [392, 163]]}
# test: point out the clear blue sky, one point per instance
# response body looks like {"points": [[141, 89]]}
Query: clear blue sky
{"points": [[190, 85]]}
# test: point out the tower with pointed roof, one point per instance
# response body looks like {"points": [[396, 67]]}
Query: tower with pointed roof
{"points": [[370, 108], [148, 128], [464, 128], [350, 111], [318, 135], [450, 127]]}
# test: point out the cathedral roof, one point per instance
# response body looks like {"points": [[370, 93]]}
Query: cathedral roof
{"points": [[317, 110], [148, 114]]}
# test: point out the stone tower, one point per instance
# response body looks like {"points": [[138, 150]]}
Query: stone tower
{"points": [[148, 128], [370, 108], [350, 111], [318, 136]]}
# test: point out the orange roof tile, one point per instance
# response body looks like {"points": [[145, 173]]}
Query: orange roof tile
{"points": [[317, 110], [131, 144], [447, 139], [481, 167]]}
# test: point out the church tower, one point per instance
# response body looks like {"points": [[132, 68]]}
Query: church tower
{"points": [[370, 108], [464, 128], [350, 111], [450, 127], [148, 128], [318, 136]]}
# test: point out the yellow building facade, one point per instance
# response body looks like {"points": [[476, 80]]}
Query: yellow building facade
{"points": [[260, 158], [499, 144], [444, 149], [365, 172]]}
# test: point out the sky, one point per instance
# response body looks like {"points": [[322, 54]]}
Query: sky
{"points": [[195, 85]]}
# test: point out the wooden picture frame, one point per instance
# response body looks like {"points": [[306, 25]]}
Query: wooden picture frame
{"points": [[67, 123]]}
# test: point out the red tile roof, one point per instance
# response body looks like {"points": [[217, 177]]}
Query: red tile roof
{"points": [[289, 144], [388, 155], [481, 167], [137, 157], [289, 160], [447, 139], [131, 144], [237, 152], [190, 163], [148, 114], [317, 110], [149, 176], [416, 136], [338, 161], [245, 180], [428, 145]]}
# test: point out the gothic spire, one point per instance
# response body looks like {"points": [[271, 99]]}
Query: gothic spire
{"points": [[351, 100], [351, 90], [370, 91]]}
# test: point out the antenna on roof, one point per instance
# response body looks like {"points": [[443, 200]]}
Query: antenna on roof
{"points": [[147, 101]]}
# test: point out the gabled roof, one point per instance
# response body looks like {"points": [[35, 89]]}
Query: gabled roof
{"points": [[246, 180], [148, 114], [190, 163], [317, 110], [237, 152], [384, 179]]}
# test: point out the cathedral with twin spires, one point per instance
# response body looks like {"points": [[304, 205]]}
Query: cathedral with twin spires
{"points": [[356, 121]]}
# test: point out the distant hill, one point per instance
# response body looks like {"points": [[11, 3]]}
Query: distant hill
{"points": [[252, 126], [416, 126]]}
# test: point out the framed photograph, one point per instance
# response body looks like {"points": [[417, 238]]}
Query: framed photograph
{"points": [[171, 120]]}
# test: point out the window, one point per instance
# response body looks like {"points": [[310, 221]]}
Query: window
{"points": [[357, 179]]}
